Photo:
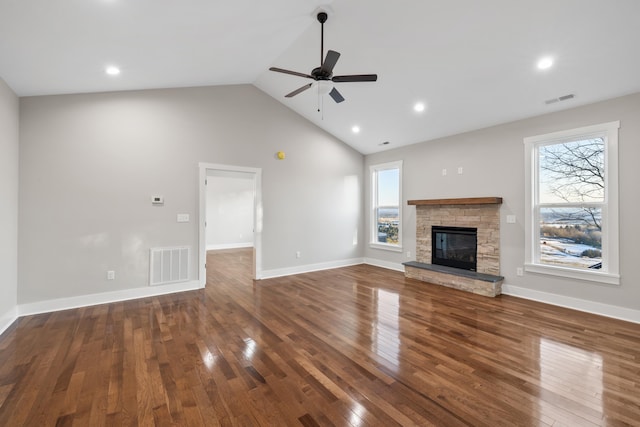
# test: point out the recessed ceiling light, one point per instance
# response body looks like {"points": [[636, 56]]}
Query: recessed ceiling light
{"points": [[419, 107], [545, 63], [355, 129], [112, 71]]}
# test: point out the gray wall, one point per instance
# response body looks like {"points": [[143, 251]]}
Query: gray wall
{"points": [[8, 204], [89, 165], [230, 209], [493, 160]]}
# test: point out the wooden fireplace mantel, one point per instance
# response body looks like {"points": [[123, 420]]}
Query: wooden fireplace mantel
{"points": [[463, 201]]}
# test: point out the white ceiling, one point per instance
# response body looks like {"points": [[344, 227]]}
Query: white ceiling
{"points": [[473, 63]]}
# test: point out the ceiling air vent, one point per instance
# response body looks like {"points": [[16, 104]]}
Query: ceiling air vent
{"points": [[560, 98]]}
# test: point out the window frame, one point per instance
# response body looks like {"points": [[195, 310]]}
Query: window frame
{"points": [[609, 274], [373, 229]]}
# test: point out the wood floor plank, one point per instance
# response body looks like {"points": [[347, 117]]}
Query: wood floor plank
{"points": [[355, 346]]}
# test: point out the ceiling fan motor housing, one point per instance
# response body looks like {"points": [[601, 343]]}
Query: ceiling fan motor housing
{"points": [[319, 74]]}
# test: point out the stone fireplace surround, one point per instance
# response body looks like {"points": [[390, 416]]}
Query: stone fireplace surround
{"points": [[482, 213]]}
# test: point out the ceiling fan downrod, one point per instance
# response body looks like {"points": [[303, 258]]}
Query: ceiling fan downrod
{"points": [[322, 18]]}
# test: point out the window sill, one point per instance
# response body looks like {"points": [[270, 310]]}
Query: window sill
{"points": [[386, 247], [572, 273]]}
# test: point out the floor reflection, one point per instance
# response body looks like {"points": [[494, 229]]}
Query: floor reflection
{"points": [[249, 349], [357, 412], [385, 334], [573, 377], [209, 360]]}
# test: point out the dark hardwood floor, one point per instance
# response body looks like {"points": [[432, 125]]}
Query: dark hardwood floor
{"points": [[356, 346]]}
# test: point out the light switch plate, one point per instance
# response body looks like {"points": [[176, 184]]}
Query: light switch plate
{"points": [[511, 219], [183, 217]]}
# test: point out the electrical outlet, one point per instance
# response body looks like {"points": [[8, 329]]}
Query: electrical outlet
{"points": [[519, 271], [298, 254], [444, 172], [511, 219], [408, 254], [460, 170], [111, 275], [182, 218]]}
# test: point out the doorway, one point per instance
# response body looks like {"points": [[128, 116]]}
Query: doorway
{"points": [[230, 212]]}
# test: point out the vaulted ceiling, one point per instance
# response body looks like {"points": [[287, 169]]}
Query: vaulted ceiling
{"points": [[472, 63]]}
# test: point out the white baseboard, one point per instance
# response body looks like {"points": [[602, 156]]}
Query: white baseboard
{"points": [[229, 246], [613, 311], [280, 272], [104, 298], [385, 264], [7, 319]]}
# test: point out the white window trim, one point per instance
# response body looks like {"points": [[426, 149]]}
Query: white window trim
{"points": [[610, 239], [373, 230]]}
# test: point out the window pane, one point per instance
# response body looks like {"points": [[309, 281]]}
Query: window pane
{"points": [[571, 237], [572, 171], [386, 205], [389, 187], [572, 218], [387, 220]]}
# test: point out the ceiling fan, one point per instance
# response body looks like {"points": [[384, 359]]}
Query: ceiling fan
{"points": [[324, 73]]}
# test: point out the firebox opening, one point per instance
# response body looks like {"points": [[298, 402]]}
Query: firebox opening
{"points": [[454, 247]]}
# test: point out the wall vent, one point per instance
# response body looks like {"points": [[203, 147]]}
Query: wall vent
{"points": [[169, 265]]}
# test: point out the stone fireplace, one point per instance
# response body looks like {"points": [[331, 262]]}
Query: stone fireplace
{"points": [[483, 214]]}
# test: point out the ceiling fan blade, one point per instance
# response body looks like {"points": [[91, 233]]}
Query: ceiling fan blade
{"points": [[293, 73], [336, 95], [355, 78], [329, 62], [297, 91]]}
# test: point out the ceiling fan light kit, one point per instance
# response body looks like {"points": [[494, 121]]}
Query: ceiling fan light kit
{"points": [[324, 87], [323, 74]]}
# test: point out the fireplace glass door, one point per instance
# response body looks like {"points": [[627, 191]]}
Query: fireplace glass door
{"points": [[454, 247]]}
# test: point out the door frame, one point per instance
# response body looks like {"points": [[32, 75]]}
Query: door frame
{"points": [[257, 216]]}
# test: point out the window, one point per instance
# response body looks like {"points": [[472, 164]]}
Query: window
{"points": [[386, 183], [572, 203]]}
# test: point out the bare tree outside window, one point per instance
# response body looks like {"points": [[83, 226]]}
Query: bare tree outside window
{"points": [[571, 194]]}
